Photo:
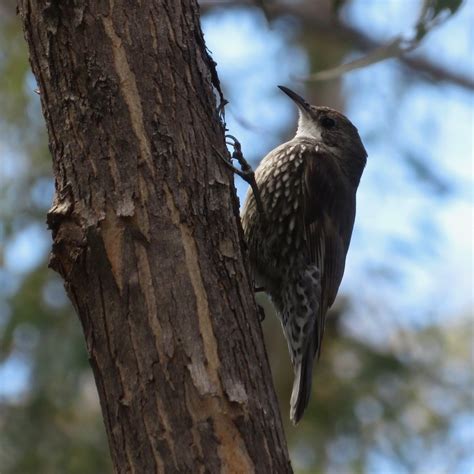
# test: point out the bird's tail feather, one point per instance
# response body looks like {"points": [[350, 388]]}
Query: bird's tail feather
{"points": [[302, 383]]}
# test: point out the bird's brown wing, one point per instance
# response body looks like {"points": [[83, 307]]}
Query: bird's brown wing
{"points": [[328, 212]]}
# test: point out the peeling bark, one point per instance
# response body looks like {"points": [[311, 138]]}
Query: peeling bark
{"points": [[147, 238]]}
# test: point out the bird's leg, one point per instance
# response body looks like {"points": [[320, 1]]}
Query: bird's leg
{"points": [[246, 172]]}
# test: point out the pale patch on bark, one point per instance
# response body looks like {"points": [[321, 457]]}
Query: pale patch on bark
{"points": [[192, 264], [162, 337], [167, 435], [123, 201], [237, 393], [128, 87], [61, 207], [112, 234], [226, 248], [200, 378], [232, 450]]}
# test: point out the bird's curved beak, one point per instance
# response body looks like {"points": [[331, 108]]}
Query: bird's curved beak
{"points": [[300, 102]]}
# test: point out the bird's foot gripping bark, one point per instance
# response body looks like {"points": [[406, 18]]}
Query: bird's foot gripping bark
{"points": [[246, 172]]}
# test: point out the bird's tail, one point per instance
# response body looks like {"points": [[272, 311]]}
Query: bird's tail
{"points": [[302, 383]]}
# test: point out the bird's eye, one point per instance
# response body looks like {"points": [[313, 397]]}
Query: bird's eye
{"points": [[328, 122]]}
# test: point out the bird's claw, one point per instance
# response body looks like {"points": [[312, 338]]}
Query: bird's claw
{"points": [[246, 172], [237, 154]]}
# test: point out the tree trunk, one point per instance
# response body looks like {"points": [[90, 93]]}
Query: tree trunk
{"points": [[147, 236]]}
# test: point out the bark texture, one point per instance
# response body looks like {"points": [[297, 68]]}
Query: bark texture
{"points": [[146, 236]]}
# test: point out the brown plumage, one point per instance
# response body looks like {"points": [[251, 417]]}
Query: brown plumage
{"points": [[298, 248]]}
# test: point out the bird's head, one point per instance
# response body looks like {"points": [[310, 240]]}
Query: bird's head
{"points": [[327, 126]]}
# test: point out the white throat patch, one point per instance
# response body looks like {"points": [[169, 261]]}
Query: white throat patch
{"points": [[308, 128]]}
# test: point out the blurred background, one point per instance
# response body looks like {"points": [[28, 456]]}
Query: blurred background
{"points": [[393, 391]]}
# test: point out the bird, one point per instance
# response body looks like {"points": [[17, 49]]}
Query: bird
{"points": [[299, 226]]}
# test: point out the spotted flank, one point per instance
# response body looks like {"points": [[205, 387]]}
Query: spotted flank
{"points": [[300, 308]]}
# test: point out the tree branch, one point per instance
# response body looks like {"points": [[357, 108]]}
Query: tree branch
{"points": [[308, 14]]}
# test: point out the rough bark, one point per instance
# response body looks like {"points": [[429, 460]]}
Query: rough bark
{"points": [[146, 236]]}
